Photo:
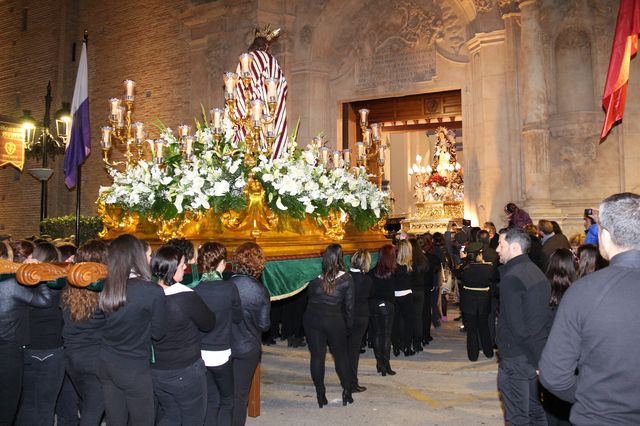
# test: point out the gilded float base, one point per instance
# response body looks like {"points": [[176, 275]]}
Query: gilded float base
{"points": [[433, 216], [279, 236]]}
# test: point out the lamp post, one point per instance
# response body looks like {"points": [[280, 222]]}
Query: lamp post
{"points": [[63, 130]]}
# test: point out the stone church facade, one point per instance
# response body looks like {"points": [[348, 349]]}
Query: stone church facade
{"points": [[531, 75]]}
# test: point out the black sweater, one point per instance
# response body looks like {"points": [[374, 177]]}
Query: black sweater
{"points": [[85, 336], [402, 279], [127, 332], [45, 324], [363, 285], [382, 288], [187, 315], [340, 302], [15, 300], [223, 299]]}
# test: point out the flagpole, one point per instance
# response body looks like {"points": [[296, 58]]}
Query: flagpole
{"points": [[79, 175]]}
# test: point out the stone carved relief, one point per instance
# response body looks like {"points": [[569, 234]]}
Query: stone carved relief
{"points": [[394, 43], [483, 6], [508, 6], [306, 34], [576, 158]]}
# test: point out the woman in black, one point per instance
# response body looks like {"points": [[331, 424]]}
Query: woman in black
{"points": [[82, 334], [223, 299], [15, 300], [362, 284], [179, 381], [246, 336], [44, 359], [478, 278], [419, 278], [328, 318], [381, 308], [134, 308], [404, 320]]}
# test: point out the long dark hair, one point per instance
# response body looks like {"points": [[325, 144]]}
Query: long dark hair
{"points": [[420, 261], [332, 264], [387, 262], [561, 272], [164, 263], [80, 302], [126, 256], [589, 260]]}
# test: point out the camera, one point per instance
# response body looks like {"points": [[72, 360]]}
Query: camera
{"points": [[588, 212]]}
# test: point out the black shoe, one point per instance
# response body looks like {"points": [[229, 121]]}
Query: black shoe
{"points": [[298, 342], [396, 351], [417, 347], [381, 370], [362, 350], [270, 341], [458, 318], [389, 370], [358, 388], [426, 341], [346, 397], [409, 352], [322, 399]]}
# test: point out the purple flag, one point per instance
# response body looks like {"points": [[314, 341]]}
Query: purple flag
{"points": [[79, 146]]}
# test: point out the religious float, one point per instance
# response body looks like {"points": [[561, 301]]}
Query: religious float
{"points": [[438, 188], [238, 176]]}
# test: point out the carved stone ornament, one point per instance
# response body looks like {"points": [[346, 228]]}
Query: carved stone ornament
{"points": [[483, 6], [508, 6]]}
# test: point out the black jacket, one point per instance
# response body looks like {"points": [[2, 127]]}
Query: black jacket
{"points": [[402, 278], [127, 332], [15, 300], [83, 337], [525, 314], [362, 286], [382, 289], [246, 336], [339, 303], [223, 299], [187, 315], [596, 332]]}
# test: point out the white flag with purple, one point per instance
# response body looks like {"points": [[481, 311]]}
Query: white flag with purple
{"points": [[79, 146]]}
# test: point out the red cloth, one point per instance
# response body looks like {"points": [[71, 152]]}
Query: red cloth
{"points": [[625, 45]]}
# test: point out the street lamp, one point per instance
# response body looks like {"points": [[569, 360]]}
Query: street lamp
{"points": [[63, 131]]}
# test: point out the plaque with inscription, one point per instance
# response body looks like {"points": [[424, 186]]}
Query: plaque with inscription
{"points": [[11, 146], [395, 69]]}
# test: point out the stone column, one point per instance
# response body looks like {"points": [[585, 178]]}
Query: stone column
{"points": [[535, 131]]}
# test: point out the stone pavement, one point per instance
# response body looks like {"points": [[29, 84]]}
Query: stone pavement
{"points": [[439, 386]]}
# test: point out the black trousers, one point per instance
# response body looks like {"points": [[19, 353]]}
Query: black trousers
{"points": [[332, 330], [292, 313], [82, 368], [42, 380], [520, 392], [382, 322], [243, 369], [475, 316], [181, 395], [426, 315], [418, 309], [220, 395], [128, 393], [68, 404], [404, 322], [354, 343], [11, 365]]}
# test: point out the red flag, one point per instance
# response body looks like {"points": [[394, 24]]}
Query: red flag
{"points": [[625, 45]]}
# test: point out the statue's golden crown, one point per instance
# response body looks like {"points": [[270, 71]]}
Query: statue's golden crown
{"points": [[267, 33]]}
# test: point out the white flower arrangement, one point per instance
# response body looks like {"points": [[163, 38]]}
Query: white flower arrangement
{"points": [[215, 176]]}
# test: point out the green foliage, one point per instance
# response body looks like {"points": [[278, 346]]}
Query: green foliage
{"points": [[65, 226]]}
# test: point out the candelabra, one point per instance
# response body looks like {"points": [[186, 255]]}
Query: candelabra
{"points": [[371, 145], [256, 123]]}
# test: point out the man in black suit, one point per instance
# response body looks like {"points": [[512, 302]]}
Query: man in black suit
{"points": [[523, 326]]}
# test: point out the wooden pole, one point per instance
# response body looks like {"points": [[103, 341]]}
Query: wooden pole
{"points": [[254, 394]]}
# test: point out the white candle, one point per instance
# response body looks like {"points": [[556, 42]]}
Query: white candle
{"points": [[120, 113], [230, 81], [184, 130], [324, 155], [216, 117], [256, 109], [106, 136], [188, 145], [115, 103], [418, 158], [139, 126], [366, 137], [159, 145], [429, 169], [270, 130], [336, 159], [381, 154], [245, 63], [375, 128], [346, 156], [364, 116], [360, 150], [272, 89], [129, 87], [410, 171]]}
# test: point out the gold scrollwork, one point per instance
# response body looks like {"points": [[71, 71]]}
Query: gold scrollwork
{"points": [[334, 224], [117, 220], [256, 217]]}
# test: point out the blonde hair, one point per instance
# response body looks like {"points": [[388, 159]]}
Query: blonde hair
{"points": [[405, 254], [361, 260], [577, 239]]}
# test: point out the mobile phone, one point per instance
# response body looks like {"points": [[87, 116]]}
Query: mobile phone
{"points": [[462, 248]]}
